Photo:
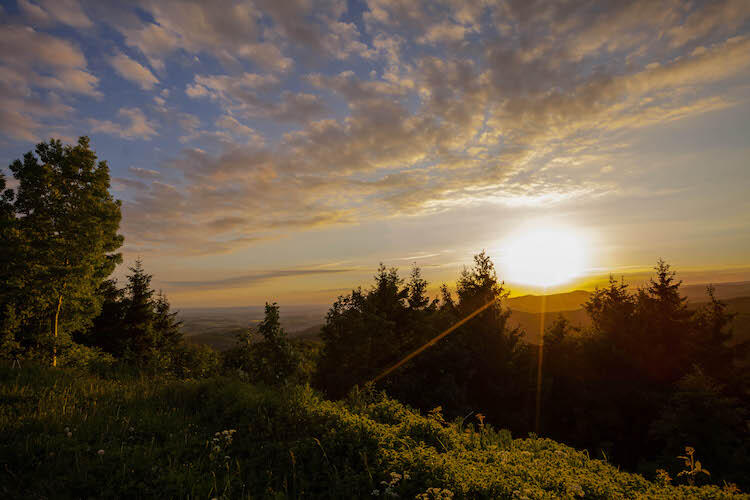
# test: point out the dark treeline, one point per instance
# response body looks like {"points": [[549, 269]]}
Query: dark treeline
{"points": [[647, 379]]}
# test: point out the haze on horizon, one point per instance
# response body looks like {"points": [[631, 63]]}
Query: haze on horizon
{"points": [[280, 150]]}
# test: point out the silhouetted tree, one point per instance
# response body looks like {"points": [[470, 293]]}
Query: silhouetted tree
{"points": [[136, 323], [265, 355]]}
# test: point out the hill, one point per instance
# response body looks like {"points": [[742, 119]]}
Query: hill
{"points": [[554, 302], [530, 322], [218, 327], [65, 434], [525, 310]]}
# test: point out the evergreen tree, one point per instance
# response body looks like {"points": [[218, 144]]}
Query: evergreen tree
{"points": [[265, 355], [487, 349], [663, 335], [107, 329], [166, 323], [136, 322], [366, 331], [276, 361], [140, 317]]}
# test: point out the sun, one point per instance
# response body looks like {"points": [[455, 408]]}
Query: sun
{"points": [[544, 256]]}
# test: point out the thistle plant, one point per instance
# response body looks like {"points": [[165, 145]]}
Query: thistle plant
{"points": [[693, 467]]}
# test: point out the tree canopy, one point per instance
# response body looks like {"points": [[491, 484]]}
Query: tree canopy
{"points": [[59, 228]]}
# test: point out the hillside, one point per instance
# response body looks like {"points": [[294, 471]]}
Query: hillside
{"points": [[526, 309], [66, 435], [530, 322], [554, 302], [218, 327]]}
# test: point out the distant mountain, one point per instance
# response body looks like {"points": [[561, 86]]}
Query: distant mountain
{"points": [[530, 322], [570, 301], [740, 306], [525, 310], [723, 291], [218, 327], [567, 301]]}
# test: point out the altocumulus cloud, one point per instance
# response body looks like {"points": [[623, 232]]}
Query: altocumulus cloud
{"points": [[293, 115], [250, 279]]}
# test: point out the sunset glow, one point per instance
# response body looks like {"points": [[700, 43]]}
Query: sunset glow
{"points": [[544, 256], [281, 150]]}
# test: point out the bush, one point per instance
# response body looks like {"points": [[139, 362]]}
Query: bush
{"points": [[84, 357], [64, 435]]}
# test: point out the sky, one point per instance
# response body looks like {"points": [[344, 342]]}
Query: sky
{"points": [[268, 150]]}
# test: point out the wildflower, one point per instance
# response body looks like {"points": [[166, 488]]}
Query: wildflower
{"points": [[577, 490], [100, 452]]}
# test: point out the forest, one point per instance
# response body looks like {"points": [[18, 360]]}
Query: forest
{"points": [[102, 392]]}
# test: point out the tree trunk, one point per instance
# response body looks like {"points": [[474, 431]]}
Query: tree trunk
{"points": [[54, 345]]}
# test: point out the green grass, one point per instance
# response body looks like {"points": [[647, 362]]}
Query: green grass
{"points": [[158, 440]]}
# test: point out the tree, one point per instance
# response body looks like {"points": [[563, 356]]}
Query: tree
{"points": [[61, 226], [140, 317], [367, 331], [665, 328], [266, 355], [136, 322], [486, 349]]}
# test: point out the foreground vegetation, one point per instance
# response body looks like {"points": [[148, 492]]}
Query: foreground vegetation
{"points": [[66, 434]]}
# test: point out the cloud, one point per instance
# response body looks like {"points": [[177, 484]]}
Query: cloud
{"points": [[230, 88], [309, 115], [251, 279], [133, 71], [138, 126], [42, 60], [236, 128], [144, 173], [226, 29], [37, 71], [67, 12], [248, 95]]}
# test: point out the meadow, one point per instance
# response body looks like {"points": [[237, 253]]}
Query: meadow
{"points": [[75, 434]]}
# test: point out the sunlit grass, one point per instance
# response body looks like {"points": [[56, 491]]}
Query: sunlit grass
{"points": [[65, 434]]}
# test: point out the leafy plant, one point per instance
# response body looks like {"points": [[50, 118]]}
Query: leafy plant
{"points": [[693, 467]]}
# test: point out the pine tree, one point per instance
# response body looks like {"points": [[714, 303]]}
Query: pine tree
{"points": [[274, 359], [140, 317]]}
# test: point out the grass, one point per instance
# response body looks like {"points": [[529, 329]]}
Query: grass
{"points": [[66, 434]]}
